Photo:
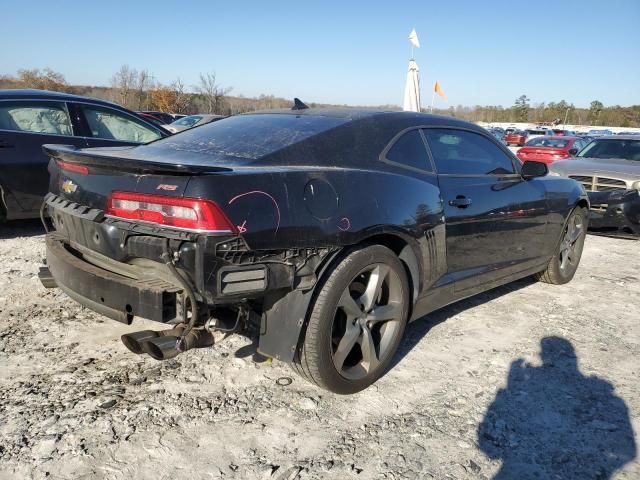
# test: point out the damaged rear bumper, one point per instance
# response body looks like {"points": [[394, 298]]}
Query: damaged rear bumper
{"points": [[112, 295], [615, 212]]}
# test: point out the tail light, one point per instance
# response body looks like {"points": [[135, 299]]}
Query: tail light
{"points": [[73, 167], [180, 212]]}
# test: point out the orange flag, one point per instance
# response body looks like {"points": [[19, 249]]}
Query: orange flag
{"points": [[438, 89]]}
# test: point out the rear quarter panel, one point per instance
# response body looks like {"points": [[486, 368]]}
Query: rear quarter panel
{"points": [[285, 208]]}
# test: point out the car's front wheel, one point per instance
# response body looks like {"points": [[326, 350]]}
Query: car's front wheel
{"points": [[356, 322], [562, 267]]}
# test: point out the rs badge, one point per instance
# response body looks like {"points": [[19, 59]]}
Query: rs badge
{"points": [[166, 186], [69, 187]]}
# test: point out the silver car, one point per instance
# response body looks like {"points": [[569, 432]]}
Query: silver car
{"points": [[609, 169], [191, 121]]}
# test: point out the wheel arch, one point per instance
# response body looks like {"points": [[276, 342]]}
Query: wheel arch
{"points": [[407, 255], [583, 203], [284, 318]]}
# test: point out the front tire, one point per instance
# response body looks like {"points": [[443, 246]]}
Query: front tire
{"points": [[356, 322], [563, 265]]}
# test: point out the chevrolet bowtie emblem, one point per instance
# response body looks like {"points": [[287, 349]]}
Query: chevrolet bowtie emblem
{"points": [[69, 187]]}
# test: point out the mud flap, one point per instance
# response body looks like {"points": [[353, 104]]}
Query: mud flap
{"points": [[282, 321], [284, 316]]}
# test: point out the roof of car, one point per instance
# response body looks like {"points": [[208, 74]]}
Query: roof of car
{"points": [[618, 137], [35, 94], [561, 137], [346, 113], [414, 118]]}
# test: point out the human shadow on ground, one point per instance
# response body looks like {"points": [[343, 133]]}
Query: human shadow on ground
{"points": [[551, 421]]}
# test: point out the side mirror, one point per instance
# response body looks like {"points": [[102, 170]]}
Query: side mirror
{"points": [[531, 169], [573, 151]]}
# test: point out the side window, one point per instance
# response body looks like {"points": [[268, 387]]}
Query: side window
{"points": [[458, 152], [112, 125], [409, 150], [35, 117]]}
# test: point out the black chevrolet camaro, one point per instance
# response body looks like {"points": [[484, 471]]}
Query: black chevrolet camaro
{"points": [[326, 231]]}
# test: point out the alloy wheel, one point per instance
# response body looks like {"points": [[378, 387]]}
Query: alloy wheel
{"points": [[569, 254], [367, 321]]}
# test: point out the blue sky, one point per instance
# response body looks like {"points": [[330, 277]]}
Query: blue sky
{"points": [[353, 52]]}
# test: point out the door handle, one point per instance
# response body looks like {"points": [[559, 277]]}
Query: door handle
{"points": [[5, 144], [460, 201]]}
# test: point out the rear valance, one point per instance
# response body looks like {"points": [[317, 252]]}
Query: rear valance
{"points": [[93, 157]]}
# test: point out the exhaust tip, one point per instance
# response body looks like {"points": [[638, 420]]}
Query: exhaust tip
{"points": [[161, 348], [135, 341]]}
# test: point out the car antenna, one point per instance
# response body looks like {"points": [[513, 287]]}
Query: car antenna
{"points": [[299, 104]]}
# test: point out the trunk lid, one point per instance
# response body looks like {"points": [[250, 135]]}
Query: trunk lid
{"points": [[88, 176]]}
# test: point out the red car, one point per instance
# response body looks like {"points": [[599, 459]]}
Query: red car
{"points": [[517, 137], [549, 149], [561, 133]]}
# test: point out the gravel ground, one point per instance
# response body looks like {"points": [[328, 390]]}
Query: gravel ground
{"points": [[526, 381]]}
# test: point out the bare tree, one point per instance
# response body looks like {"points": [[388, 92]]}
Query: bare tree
{"points": [[182, 99], [143, 85], [124, 83], [212, 92]]}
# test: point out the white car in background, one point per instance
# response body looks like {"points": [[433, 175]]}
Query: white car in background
{"points": [[538, 132], [191, 121]]}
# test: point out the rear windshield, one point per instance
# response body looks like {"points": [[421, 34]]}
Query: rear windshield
{"points": [[537, 132], [548, 142], [243, 138], [626, 149]]}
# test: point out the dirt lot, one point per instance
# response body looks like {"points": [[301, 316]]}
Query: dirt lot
{"points": [[469, 395]]}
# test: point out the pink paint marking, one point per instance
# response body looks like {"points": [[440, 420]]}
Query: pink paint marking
{"points": [[242, 228], [260, 192], [344, 224]]}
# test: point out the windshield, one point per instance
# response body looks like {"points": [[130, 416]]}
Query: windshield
{"points": [[614, 148], [239, 140], [189, 121], [548, 142], [537, 132]]}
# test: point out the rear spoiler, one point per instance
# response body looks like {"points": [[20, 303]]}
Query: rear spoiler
{"points": [[71, 154]]}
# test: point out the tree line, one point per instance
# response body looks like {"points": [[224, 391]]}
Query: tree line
{"points": [[139, 90], [552, 112]]}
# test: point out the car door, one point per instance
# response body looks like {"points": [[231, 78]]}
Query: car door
{"points": [[110, 127], [495, 220], [25, 125]]}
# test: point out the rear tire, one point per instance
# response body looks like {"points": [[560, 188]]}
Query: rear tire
{"points": [[356, 322], [563, 265]]}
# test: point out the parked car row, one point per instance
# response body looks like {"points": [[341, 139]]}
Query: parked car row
{"points": [[607, 165], [609, 169]]}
